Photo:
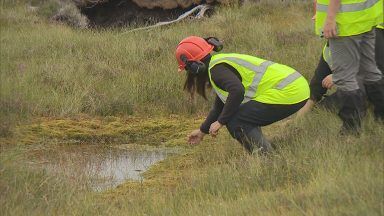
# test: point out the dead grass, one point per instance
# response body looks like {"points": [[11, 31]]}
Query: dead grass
{"points": [[165, 131]]}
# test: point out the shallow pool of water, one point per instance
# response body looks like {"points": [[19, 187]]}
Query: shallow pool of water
{"points": [[102, 167]]}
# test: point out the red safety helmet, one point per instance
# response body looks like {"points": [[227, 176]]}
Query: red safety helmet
{"points": [[194, 48]]}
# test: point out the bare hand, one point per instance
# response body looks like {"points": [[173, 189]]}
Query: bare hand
{"points": [[195, 137], [327, 82], [330, 30], [214, 129]]}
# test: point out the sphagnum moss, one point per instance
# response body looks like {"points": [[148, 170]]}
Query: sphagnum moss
{"points": [[164, 131]]}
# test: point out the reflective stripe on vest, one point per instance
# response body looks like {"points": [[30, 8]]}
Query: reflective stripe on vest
{"points": [[359, 6], [259, 70], [353, 16], [288, 80], [223, 97]]}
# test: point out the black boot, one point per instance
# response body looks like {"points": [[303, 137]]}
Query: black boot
{"points": [[254, 141], [352, 111], [331, 102], [375, 93]]}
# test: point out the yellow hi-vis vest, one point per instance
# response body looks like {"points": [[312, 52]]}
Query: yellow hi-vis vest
{"points": [[327, 55], [381, 26], [353, 17], [263, 81]]}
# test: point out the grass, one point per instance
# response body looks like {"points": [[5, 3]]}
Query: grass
{"points": [[66, 71], [60, 84], [84, 129], [312, 172]]}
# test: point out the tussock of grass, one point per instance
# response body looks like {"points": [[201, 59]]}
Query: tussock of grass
{"points": [[73, 78]]}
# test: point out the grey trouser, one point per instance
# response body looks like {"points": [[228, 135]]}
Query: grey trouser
{"points": [[354, 56]]}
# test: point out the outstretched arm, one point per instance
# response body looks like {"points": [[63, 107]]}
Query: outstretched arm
{"points": [[314, 9], [306, 108], [318, 86]]}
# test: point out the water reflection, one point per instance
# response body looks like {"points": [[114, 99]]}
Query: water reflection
{"points": [[102, 167]]}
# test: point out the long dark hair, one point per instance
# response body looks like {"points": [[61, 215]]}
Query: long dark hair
{"points": [[198, 82]]}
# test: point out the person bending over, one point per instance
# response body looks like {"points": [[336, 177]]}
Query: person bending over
{"points": [[251, 92]]}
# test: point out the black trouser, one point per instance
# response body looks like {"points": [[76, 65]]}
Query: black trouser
{"points": [[336, 100], [245, 125], [322, 70], [379, 49]]}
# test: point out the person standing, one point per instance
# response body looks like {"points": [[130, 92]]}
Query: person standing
{"points": [[321, 81], [251, 92], [349, 27]]}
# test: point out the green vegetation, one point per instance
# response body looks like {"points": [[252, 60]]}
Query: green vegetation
{"points": [[60, 84], [164, 131]]}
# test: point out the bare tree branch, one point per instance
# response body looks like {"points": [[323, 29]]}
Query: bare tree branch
{"points": [[202, 9]]}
